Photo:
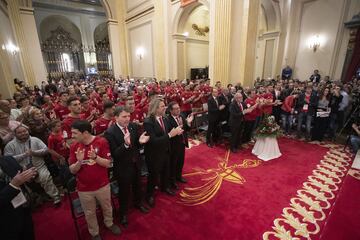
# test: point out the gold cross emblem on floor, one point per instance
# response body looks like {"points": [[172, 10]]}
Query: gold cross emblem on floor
{"points": [[192, 196]]}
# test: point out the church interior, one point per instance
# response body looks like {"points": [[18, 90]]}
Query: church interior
{"points": [[242, 119]]}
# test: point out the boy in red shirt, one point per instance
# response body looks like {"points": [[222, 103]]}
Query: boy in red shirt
{"points": [[89, 161]]}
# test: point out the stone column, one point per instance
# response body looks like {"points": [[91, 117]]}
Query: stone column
{"points": [[219, 47], [117, 39], [6, 78], [22, 18], [159, 53], [248, 41]]}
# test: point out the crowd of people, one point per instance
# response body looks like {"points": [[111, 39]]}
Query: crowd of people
{"points": [[83, 127]]}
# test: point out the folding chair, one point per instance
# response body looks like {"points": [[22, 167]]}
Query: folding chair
{"points": [[76, 209]]}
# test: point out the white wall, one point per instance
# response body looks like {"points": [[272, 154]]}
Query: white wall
{"points": [[321, 17], [141, 36], [197, 56]]}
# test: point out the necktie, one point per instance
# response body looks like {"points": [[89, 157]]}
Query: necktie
{"points": [[125, 130], [241, 107], [162, 123], [179, 121]]}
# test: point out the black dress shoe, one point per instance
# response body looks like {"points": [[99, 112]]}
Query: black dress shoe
{"points": [[168, 191], [182, 180], [124, 221], [174, 186], [210, 145], [143, 209], [151, 202]]}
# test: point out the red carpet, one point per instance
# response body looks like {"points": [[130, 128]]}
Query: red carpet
{"points": [[242, 198]]}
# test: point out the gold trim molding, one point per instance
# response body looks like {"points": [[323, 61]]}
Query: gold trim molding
{"points": [[302, 218]]}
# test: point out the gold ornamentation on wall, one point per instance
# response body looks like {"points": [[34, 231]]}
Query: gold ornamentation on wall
{"points": [[200, 31], [301, 219], [213, 179]]}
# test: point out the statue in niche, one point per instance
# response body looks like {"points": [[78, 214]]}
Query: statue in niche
{"points": [[200, 31]]}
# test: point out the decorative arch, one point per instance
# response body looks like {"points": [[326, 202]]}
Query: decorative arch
{"points": [[52, 22], [271, 15], [100, 32], [183, 13], [106, 6]]}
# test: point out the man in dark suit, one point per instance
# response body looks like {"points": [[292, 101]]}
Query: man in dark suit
{"points": [[224, 100], [237, 111], [15, 221], [124, 144], [315, 77], [214, 108], [157, 149], [178, 143]]}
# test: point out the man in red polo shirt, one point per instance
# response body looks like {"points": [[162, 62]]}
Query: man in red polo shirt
{"points": [[89, 161], [75, 114], [61, 108], [186, 99], [87, 109], [106, 120]]}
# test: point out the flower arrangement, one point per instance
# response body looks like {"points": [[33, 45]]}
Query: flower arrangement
{"points": [[268, 128]]}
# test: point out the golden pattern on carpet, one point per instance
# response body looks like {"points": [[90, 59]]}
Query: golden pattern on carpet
{"points": [[192, 196], [301, 219], [354, 173]]}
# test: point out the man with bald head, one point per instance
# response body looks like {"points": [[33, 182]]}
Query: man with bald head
{"points": [[237, 111]]}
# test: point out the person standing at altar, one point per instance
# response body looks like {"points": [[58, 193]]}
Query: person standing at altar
{"points": [[124, 141], [178, 143], [237, 111], [214, 109], [157, 149]]}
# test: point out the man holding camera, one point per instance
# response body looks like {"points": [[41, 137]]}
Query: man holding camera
{"points": [[30, 152]]}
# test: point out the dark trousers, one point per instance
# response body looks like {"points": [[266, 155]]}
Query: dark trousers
{"points": [[127, 185], [248, 130], [277, 113], [17, 226], [212, 134], [177, 162], [320, 126], [236, 135], [156, 172]]}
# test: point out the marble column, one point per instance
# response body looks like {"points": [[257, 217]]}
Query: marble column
{"points": [[219, 47], [117, 38], [22, 18], [159, 53], [248, 40], [6, 78]]}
